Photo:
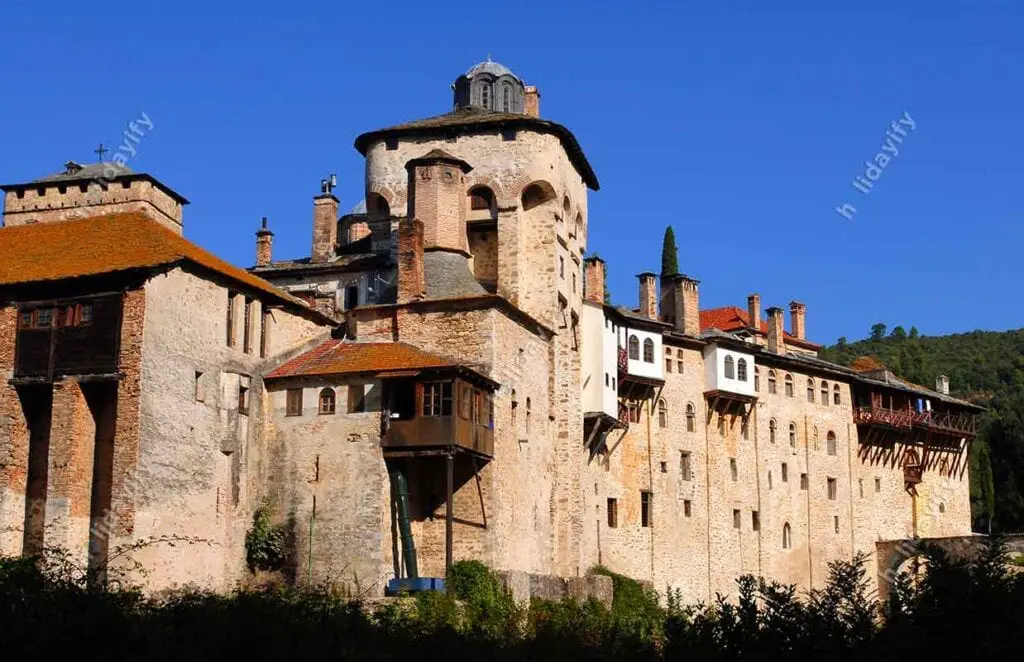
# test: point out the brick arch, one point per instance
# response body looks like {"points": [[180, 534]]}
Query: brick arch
{"points": [[540, 192], [389, 196]]}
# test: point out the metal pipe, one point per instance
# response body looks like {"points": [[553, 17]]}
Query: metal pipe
{"points": [[400, 488]]}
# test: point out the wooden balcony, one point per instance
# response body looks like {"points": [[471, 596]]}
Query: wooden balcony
{"points": [[919, 425], [434, 417]]}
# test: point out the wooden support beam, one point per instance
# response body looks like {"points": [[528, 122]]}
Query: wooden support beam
{"points": [[450, 465]]}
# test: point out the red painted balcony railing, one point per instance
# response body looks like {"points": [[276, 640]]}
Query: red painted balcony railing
{"points": [[955, 423], [899, 419]]}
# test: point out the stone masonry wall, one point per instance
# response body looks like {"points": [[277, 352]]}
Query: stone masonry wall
{"points": [[52, 204], [14, 441]]}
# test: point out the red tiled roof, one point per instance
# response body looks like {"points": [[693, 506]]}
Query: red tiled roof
{"points": [[109, 244], [338, 357], [734, 318]]}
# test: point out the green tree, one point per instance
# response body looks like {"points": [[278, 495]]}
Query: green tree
{"points": [[899, 333], [914, 333], [877, 332], [669, 254]]}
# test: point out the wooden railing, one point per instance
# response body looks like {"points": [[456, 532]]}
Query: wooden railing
{"points": [[957, 423]]}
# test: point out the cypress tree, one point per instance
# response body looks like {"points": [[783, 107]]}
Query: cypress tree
{"points": [[669, 254]]}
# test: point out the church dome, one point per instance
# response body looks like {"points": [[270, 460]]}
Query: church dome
{"points": [[490, 67], [490, 86]]}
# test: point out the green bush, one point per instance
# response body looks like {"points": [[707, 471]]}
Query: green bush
{"points": [[265, 542]]}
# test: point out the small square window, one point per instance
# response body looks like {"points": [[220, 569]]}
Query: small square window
{"points": [[391, 144], [200, 391], [357, 399], [243, 399], [685, 469], [878, 485], [804, 481], [664, 467], [508, 135], [785, 472], [613, 513], [687, 508], [835, 521], [733, 469], [755, 520], [735, 519], [832, 489]]}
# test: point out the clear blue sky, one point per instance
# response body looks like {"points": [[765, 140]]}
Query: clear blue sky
{"points": [[741, 126]]}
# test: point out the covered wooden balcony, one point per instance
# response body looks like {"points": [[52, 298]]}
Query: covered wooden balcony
{"points": [[882, 416], [433, 414]]}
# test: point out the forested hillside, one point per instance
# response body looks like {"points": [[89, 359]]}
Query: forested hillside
{"points": [[985, 367]]}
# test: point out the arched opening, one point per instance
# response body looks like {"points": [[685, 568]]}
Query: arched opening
{"points": [[634, 348], [792, 436], [327, 401], [648, 350], [741, 370], [662, 414], [377, 207], [824, 392], [810, 390], [773, 429], [482, 236], [730, 368], [691, 417], [771, 381], [830, 442], [837, 399], [787, 536], [566, 208], [789, 385], [536, 194], [506, 98]]}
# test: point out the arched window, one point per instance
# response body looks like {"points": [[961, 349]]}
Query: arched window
{"points": [[537, 194], [506, 98], [377, 207], [566, 207], [757, 379], [810, 390], [771, 381], [837, 399], [528, 415], [634, 348], [830, 442], [327, 401], [485, 95], [789, 385], [662, 414], [648, 350], [741, 370], [787, 536], [773, 429], [481, 198], [730, 368], [792, 436], [814, 437], [515, 406], [691, 417], [824, 392]]}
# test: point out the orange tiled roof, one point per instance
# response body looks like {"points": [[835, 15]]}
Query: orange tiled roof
{"points": [[338, 357], [109, 244], [734, 318]]}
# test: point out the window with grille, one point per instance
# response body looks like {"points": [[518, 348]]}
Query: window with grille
{"points": [[293, 402], [437, 399]]}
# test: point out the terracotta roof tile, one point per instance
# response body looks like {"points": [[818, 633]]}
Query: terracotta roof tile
{"points": [[734, 318], [339, 357], [110, 244]]}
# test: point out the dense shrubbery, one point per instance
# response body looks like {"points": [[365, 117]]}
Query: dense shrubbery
{"points": [[957, 611]]}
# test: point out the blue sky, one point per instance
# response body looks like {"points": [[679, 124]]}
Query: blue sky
{"points": [[741, 126]]}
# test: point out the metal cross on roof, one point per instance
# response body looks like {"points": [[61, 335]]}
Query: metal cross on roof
{"points": [[101, 150]]}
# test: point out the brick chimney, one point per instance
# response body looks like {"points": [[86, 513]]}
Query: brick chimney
{"points": [[531, 105], [264, 244], [437, 198], [688, 306], [798, 320], [411, 283], [325, 227], [593, 279], [776, 339], [754, 310], [667, 302], [942, 384], [648, 295]]}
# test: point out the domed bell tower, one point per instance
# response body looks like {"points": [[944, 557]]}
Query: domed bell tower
{"points": [[490, 86]]}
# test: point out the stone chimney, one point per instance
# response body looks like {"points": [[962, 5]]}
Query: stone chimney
{"points": [[754, 310], [648, 295], [667, 302], [411, 284], [593, 279], [531, 105], [688, 306], [776, 338], [942, 384], [264, 244], [437, 198], [798, 320], [325, 227]]}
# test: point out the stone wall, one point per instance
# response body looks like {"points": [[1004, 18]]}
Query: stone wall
{"points": [[61, 202], [14, 441]]}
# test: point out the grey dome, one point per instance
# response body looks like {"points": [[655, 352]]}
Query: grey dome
{"points": [[490, 86], [495, 69]]}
